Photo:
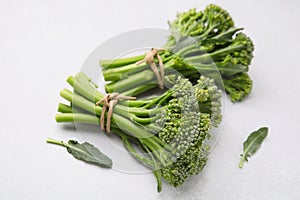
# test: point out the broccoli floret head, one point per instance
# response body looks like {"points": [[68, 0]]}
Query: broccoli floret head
{"points": [[209, 99], [235, 58], [210, 22], [192, 23], [188, 23], [185, 129], [245, 55], [192, 161], [238, 87], [181, 117], [218, 18]]}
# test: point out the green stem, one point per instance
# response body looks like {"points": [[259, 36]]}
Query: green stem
{"points": [[242, 161], [131, 81], [77, 117], [61, 143], [115, 74], [64, 108], [157, 172], [132, 151], [56, 142], [187, 49], [154, 101], [138, 103], [108, 64], [139, 89], [142, 120]]}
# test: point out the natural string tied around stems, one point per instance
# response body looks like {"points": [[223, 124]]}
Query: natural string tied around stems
{"points": [[109, 101], [149, 59]]}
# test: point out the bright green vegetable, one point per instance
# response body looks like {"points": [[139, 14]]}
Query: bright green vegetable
{"points": [[85, 152], [171, 128], [204, 42], [253, 143]]}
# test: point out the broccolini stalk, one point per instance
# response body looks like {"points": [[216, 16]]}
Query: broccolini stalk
{"points": [[215, 47], [171, 128]]}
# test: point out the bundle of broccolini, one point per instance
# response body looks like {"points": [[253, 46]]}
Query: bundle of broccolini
{"points": [[202, 43], [171, 128]]}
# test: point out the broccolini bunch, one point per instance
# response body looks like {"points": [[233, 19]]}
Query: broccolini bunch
{"points": [[201, 43], [171, 128]]}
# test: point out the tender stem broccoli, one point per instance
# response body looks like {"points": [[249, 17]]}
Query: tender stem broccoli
{"points": [[202, 43], [170, 129]]}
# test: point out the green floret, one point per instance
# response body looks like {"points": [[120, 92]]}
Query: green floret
{"points": [[200, 26], [235, 58], [180, 120], [209, 99], [212, 21], [238, 87], [192, 161], [219, 19], [245, 56], [185, 128], [239, 52]]}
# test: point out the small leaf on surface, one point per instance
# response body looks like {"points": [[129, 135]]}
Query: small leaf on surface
{"points": [[252, 144], [85, 152]]}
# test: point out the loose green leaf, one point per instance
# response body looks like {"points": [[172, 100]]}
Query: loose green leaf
{"points": [[252, 144], [85, 152]]}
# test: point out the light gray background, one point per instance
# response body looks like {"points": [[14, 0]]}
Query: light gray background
{"points": [[42, 42]]}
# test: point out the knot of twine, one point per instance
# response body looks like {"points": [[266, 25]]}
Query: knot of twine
{"points": [[109, 101], [149, 59]]}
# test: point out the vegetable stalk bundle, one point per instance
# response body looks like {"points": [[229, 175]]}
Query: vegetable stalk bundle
{"points": [[170, 129], [201, 43]]}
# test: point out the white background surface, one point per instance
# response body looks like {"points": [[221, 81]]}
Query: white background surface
{"points": [[43, 42]]}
